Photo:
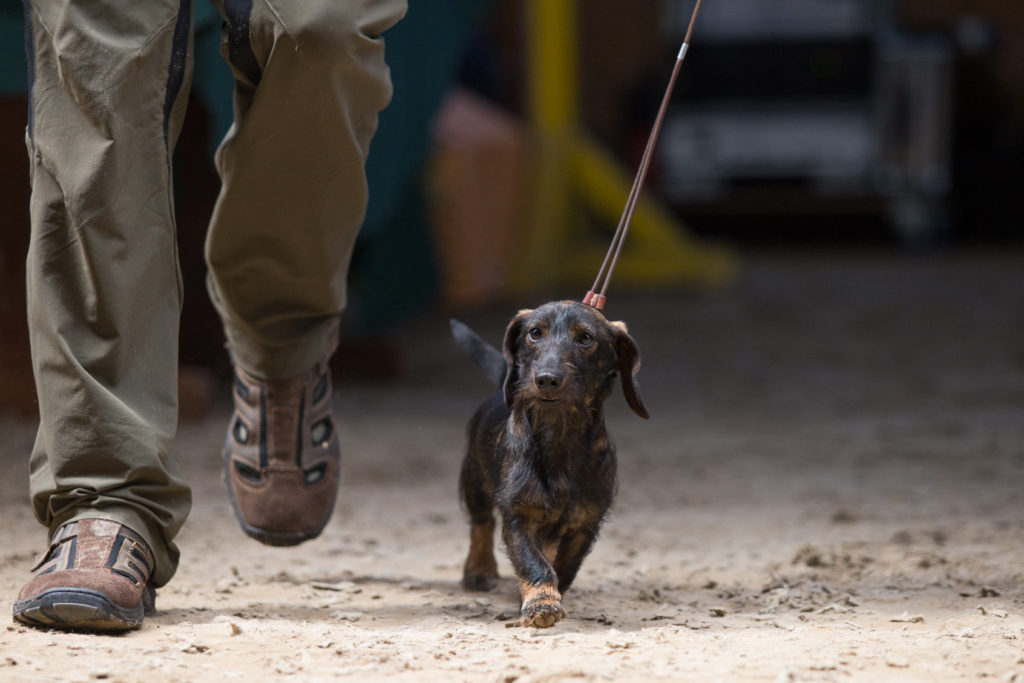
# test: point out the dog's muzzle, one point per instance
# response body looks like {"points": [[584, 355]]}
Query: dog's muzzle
{"points": [[549, 384]]}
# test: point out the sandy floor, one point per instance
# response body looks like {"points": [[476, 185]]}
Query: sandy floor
{"points": [[830, 489]]}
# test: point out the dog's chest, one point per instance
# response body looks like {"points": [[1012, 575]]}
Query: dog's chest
{"points": [[551, 513], [558, 495]]}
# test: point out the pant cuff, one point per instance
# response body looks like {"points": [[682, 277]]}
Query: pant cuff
{"points": [[166, 554], [285, 362]]}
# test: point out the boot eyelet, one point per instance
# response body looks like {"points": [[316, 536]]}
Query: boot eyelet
{"points": [[314, 474], [320, 391], [241, 432], [320, 432], [248, 473]]}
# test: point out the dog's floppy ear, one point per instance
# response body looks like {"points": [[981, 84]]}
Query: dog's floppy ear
{"points": [[628, 354], [509, 348]]}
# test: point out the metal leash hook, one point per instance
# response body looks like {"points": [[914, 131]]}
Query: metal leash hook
{"points": [[593, 297]]}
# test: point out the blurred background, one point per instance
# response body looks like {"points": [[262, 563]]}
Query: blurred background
{"points": [[500, 169]]}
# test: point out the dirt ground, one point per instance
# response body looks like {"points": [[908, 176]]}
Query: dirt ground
{"points": [[830, 489]]}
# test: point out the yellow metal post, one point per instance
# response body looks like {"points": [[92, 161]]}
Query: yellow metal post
{"points": [[552, 101], [573, 174], [553, 79]]}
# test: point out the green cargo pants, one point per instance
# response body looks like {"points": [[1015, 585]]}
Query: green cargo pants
{"points": [[109, 83]]}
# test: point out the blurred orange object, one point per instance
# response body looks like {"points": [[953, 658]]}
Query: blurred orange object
{"points": [[476, 194]]}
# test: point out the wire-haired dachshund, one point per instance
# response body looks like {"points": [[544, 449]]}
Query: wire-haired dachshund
{"points": [[538, 449]]}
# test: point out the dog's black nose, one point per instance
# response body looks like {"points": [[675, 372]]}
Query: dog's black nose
{"points": [[548, 381]]}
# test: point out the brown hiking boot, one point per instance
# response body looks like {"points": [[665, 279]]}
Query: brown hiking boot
{"points": [[94, 576], [281, 456]]}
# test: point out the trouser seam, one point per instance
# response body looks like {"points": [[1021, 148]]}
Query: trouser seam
{"points": [[163, 27], [280, 19]]}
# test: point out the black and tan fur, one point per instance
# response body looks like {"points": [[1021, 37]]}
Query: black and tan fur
{"points": [[539, 452]]}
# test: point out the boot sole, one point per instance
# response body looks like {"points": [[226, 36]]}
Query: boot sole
{"points": [[77, 608]]}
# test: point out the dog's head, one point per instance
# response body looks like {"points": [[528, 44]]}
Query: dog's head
{"points": [[566, 351]]}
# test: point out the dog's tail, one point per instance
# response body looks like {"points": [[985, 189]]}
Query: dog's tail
{"points": [[485, 356]]}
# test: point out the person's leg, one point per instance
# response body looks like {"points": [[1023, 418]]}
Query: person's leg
{"points": [[311, 80], [108, 90]]}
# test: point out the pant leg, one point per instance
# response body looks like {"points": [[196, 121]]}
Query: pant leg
{"points": [[104, 292], [310, 81]]}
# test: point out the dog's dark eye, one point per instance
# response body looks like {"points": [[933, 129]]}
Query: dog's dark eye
{"points": [[535, 334], [585, 339]]}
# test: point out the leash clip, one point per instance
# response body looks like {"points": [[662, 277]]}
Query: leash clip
{"points": [[595, 300]]}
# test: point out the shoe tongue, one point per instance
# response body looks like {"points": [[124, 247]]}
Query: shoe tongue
{"points": [[284, 415], [282, 435]]}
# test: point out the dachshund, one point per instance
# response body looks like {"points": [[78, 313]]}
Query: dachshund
{"points": [[538, 449]]}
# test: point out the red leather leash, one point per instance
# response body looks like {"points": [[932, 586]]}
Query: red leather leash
{"points": [[593, 297]]}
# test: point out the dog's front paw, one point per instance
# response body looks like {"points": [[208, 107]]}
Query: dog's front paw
{"points": [[542, 613], [542, 606]]}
